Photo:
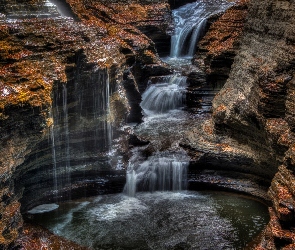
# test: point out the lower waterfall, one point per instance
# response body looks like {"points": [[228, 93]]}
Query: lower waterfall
{"points": [[163, 171]]}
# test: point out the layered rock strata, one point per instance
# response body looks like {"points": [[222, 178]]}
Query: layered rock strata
{"points": [[63, 80], [214, 56], [217, 49], [255, 107], [64, 87]]}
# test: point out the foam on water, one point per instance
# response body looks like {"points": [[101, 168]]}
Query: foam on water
{"points": [[44, 208], [160, 220], [119, 208]]}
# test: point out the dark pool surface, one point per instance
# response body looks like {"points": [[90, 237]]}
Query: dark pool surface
{"points": [[160, 220]]}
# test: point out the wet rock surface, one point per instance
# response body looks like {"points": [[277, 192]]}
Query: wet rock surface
{"points": [[214, 56], [253, 107], [217, 49], [48, 65], [220, 162], [36, 237]]}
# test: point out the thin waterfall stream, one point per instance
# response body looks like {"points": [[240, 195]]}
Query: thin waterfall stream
{"points": [[155, 210]]}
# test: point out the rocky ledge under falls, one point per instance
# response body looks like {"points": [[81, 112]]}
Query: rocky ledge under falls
{"points": [[53, 69]]}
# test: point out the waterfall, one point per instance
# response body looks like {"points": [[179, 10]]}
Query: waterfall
{"points": [[165, 170], [81, 132], [190, 22], [63, 7], [52, 137], [67, 134], [162, 171], [108, 126], [167, 94]]}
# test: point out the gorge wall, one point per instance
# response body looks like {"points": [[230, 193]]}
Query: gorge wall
{"points": [[256, 107], [220, 160], [67, 85]]}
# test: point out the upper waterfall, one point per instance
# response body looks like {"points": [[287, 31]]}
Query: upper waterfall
{"points": [[63, 8], [190, 22]]}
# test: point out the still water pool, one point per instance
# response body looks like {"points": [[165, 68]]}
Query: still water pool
{"points": [[159, 220]]}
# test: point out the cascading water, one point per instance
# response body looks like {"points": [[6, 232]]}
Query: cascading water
{"points": [[143, 220], [163, 171], [167, 94], [190, 22]]}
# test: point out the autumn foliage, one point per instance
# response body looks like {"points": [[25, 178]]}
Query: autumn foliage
{"points": [[34, 52]]}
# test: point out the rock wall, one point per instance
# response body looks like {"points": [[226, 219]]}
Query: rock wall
{"points": [[25, 125], [62, 79], [217, 49], [254, 107], [53, 70], [215, 55], [221, 160]]}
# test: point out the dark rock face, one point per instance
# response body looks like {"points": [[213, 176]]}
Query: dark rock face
{"points": [[15, 144], [177, 3], [158, 28], [217, 49], [222, 160], [246, 108], [254, 107], [64, 88]]}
